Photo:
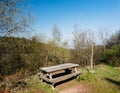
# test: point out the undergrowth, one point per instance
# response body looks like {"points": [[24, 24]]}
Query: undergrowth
{"points": [[35, 86]]}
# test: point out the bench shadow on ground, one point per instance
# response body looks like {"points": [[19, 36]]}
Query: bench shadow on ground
{"points": [[67, 72], [117, 83]]}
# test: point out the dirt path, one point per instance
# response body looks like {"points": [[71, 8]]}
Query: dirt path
{"points": [[75, 87]]}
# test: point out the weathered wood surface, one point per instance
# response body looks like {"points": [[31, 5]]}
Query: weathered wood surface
{"points": [[58, 73], [58, 67], [59, 79], [65, 77], [44, 78]]}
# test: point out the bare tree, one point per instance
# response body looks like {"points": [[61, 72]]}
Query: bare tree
{"points": [[114, 39], [84, 47], [56, 39], [56, 35], [65, 44], [91, 41], [103, 36], [81, 50], [41, 37], [13, 17]]}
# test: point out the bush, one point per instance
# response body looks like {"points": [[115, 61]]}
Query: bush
{"points": [[111, 56], [17, 54]]}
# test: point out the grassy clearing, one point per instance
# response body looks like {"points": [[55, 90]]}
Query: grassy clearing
{"points": [[35, 86], [106, 79]]}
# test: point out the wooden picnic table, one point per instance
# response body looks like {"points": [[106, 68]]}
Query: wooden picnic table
{"points": [[58, 73]]}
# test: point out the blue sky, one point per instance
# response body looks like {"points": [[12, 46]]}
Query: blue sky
{"points": [[89, 14]]}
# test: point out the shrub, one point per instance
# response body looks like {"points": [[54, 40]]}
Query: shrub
{"points": [[111, 56]]}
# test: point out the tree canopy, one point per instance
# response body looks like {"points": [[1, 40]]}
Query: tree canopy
{"points": [[14, 17]]}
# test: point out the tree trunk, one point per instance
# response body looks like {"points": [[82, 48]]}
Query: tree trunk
{"points": [[91, 60]]}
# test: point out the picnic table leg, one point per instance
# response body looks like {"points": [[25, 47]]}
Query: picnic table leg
{"points": [[77, 76], [76, 70], [41, 74], [53, 87], [41, 79], [50, 76]]}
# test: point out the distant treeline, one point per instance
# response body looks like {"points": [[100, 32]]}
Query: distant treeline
{"points": [[21, 54]]}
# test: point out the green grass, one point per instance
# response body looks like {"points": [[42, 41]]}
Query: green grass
{"points": [[35, 86], [106, 79]]}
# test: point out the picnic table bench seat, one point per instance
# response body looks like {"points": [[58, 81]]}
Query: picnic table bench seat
{"points": [[65, 77]]}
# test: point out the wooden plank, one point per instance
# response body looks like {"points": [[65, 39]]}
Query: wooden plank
{"points": [[62, 78], [50, 76], [57, 72], [53, 87], [75, 69], [44, 78], [58, 67]]}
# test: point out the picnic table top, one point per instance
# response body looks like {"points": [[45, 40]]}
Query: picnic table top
{"points": [[58, 67]]}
